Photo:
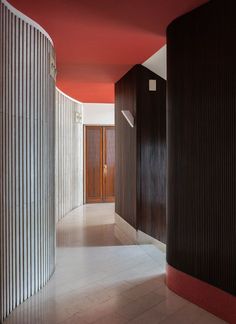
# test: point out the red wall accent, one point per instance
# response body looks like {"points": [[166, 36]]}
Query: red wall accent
{"points": [[201, 293]]}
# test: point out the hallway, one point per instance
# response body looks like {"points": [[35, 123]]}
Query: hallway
{"points": [[99, 280]]}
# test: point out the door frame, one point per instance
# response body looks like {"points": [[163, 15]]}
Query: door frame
{"points": [[84, 153]]}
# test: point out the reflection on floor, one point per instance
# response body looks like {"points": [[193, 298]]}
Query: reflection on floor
{"points": [[99, 280]]}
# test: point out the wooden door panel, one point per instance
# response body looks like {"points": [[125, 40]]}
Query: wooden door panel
{"points": [[94, 164], [109, 163], [100, 164]]}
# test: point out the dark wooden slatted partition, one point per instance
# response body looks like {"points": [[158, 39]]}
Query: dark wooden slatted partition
{"points": [[27, 113], [152, 160], [141, 152], [202, 144], [125, 149], [69, 155]]}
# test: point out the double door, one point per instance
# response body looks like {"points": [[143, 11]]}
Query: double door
{"points": [[100, 163]]}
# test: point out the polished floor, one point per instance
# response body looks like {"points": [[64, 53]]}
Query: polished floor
{"points": [[99, 280]]}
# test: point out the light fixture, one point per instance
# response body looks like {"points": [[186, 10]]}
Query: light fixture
{"points": [[152, 85], [129, 117], [78, 117]]}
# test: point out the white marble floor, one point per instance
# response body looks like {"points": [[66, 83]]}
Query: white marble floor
{"points": [[99, 280]]}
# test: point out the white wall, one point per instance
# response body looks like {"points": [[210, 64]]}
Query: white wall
{"points": [[98, 114], [157, 63]]}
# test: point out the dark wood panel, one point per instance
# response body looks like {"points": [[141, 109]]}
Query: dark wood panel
{"points": [[202, 144], [125, 192], [94, 164], [151, 143], [109, 163], [141, 152]]}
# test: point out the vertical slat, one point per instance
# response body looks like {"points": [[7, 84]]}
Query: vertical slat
{"points": [[16, 234], [10, 136], [36, 185], [7, 188], [45, 138], [5, 152], [56, 158], [20, 170], [1, 164], [32, 119], [13, 192], [28, 166], [24, 162]]}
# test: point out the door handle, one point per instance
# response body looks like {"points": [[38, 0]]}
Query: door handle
{"points": [[105, 169]]}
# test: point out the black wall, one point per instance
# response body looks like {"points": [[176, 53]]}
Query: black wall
{"points": [[202, 144], [141, 152]]}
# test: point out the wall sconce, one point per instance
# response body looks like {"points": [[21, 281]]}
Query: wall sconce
{"points": [[152, 85], [78, 117], [129, 117], [53, 69]]}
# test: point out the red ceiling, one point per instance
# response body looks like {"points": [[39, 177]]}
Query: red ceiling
{"points": [[97, 41]]}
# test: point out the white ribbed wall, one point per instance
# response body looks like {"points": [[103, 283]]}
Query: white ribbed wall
{"points": [[69, 155], [27, 159]]}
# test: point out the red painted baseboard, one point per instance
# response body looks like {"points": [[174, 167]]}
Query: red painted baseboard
{"points": [[212, 299]]}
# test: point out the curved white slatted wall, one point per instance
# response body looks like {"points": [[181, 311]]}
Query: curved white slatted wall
{"points": [[27, 159], [69, 155]]}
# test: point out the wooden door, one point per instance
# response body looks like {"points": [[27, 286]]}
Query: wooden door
{"points": [[109, 163], [94, 164], [100, 163]]}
